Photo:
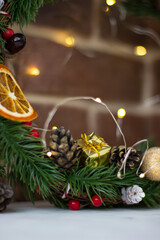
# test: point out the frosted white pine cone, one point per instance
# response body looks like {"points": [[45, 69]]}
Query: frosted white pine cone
{"points": [[132, 195]]}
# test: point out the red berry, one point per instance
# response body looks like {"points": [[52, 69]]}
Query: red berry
{"points": [[28, 123], [8, 33], [74, 204], [34, 133], [97, 202]]}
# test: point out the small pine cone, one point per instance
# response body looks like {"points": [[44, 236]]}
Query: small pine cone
{"points": [[118, 154], [64, 149], [6, 194]]}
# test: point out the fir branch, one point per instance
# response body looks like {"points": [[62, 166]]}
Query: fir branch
{"points": [[3, 25], [152, 193], [25, 160], [101, 181], [24, 11]]}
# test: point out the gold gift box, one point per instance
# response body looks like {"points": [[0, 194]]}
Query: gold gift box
{"points": [[96, 150]]}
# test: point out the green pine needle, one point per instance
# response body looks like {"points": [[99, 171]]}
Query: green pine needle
{"points": [[3, 25], [24, 11], [152, 194], [24, 157], [100, 180], [103, 181], [25, 161]]}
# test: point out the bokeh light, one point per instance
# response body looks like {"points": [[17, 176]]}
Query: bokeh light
{"points": [[32, 71], [69, 41], [110, 2], [140, 51], [121, 113]]}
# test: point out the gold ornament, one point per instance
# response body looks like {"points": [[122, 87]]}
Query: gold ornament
{"points": [[151, 164], [96, 150]]}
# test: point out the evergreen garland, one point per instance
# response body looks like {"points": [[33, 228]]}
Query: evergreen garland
{"points": [[24, 11], [152, 192], [25, 160], [103, 181], [23, 156]]}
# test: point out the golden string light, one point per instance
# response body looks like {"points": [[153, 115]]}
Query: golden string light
{"points": [[97, 100], [54, 127], [123, 166], [49, 154], [69, 41], [121, 113], [107, 9], [110, 2], [32, 71], [140, 51]]}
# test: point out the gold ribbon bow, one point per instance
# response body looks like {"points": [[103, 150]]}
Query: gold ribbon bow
{"points": [[92, 145]]}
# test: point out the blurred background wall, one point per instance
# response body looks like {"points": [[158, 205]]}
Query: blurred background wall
{"points": [[86, 48]]}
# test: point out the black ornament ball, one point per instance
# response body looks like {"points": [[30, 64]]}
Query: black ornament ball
{"points": [[15, 43]]}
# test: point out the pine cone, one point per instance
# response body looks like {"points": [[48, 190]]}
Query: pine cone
{"points": [[6, 194], [118, 154], [64, 149]]}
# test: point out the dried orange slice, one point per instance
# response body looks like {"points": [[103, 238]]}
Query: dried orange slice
{"points": [[13, 104]]}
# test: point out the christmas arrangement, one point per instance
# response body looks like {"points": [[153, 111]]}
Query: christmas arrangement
{"points": [[86, 172], [74, 173]]}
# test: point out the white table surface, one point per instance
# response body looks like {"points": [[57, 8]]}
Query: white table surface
{"points": [[24, 221]]}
